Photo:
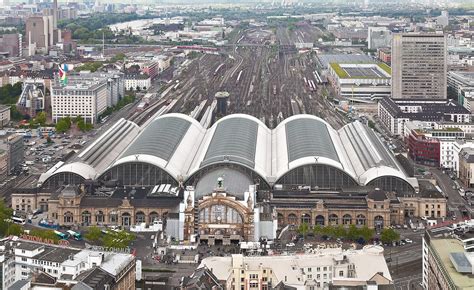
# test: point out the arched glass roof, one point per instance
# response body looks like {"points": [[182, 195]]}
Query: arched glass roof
{"points": [[160, 138], [309, 137], [234, 139], [180, 146]]}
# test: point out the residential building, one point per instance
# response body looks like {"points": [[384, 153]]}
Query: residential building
{"points": [[384, 54], [87, 95], [359, 80], [466, 167], [378, 37], [327, 268], [13, 145], [448, 260], [393, 113], [423, 150], [135, 82], [11, 44], [419, 66], [4, 115], [3, 164], [65, 265], [151, 68], [461, 86], [432, 145], [201, 278], [458, 146], [7, 267], [164, 62]]}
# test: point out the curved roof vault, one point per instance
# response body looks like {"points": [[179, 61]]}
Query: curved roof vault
{"points": [[179, 145]]}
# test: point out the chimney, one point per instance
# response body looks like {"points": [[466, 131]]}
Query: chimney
{"points": [[55, 14]]}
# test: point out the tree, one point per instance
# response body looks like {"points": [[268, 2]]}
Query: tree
{"points": [[41, 118], [93, 234], [62, 126], [5, 215], [121, 239], [303, 229], [328, 231], [45, 234], [352, 233], [366, 233], [387, 236], [339, 231], [317, 229]]}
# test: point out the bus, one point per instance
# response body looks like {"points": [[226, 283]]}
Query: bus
{"points": [[18, 220], [62, 236], [76, 236]]}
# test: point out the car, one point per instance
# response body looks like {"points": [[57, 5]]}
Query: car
{"points": [[290, 244], [405, 226], [408, 241], [399, 226]]}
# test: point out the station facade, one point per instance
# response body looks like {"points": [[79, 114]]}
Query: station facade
{"points": [[237, 180]]}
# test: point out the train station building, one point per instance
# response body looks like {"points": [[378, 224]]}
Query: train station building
{"points": [[237, 180]]}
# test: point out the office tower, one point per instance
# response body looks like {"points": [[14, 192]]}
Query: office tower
{"points": [[40, 31], [419, 66], [378, 37]]}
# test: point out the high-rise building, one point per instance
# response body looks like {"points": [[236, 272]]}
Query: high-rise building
{"points": [[378, 37], [87, 95], [419, 66], [11, 44], [40, 31]]}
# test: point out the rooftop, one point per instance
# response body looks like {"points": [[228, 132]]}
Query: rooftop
{"points": [[326, 59], [444, 248], [367, 262], [427, 109], [361, 70]]}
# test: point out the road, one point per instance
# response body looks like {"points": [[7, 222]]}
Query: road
{"points": [[455, 200]]}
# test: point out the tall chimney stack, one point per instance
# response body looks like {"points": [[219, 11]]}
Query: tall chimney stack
{"points": [[55, 14]]}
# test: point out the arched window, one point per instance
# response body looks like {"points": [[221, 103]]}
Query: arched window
{"points": [[153, 216], [320, 220], [292, 219], [360, 220], [139, 217], [86, 218], [378, 222], [281, 219], [347, 219], [99, 217], [306, 218], [333, 219], [68, 217], [219, 213], [126, 219]]}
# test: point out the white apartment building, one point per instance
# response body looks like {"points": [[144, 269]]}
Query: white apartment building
{"points": [[87, 100], [63, 263], [137, 81], [308, 271], [4, 115], [393, 113], [87, 95], [419, 66]]}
